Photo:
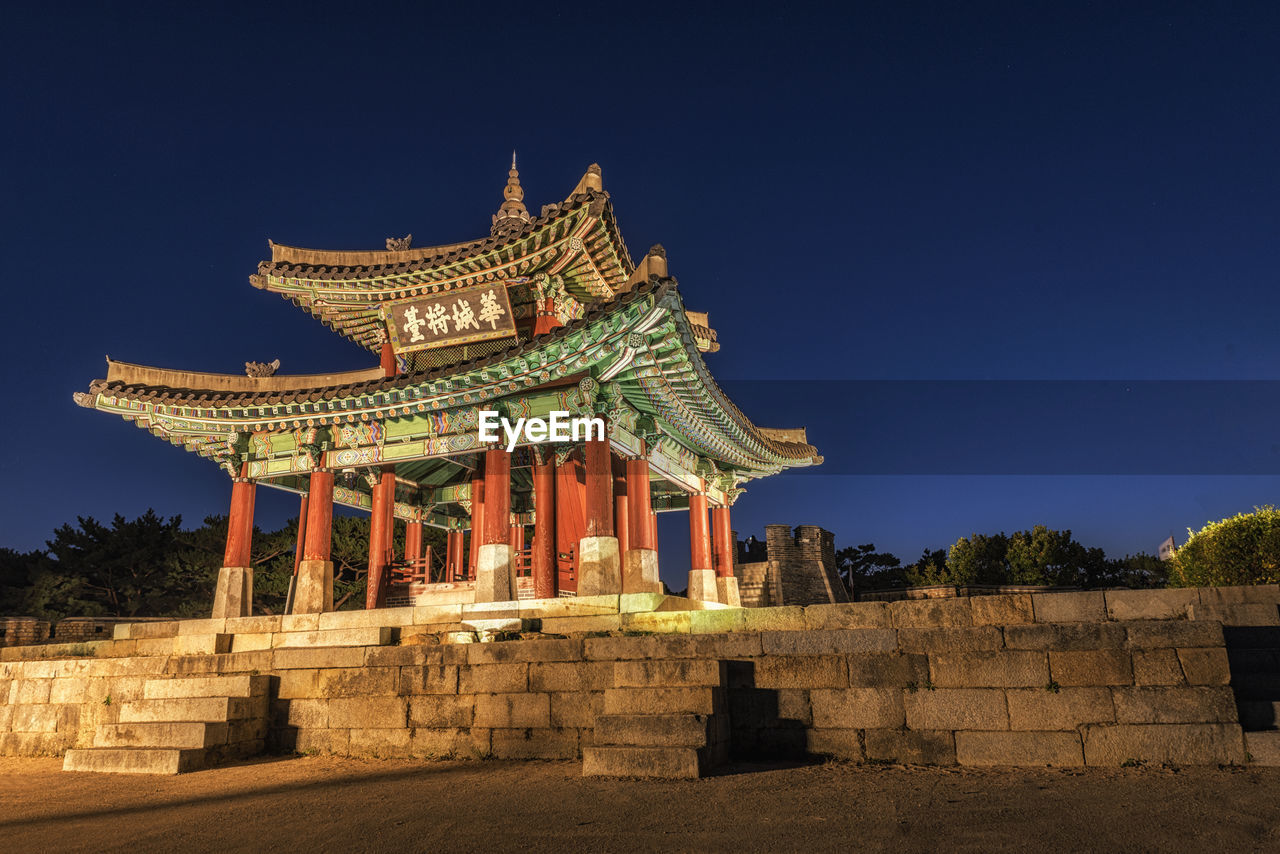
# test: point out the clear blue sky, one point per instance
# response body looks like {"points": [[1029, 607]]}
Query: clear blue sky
{"points": [[864, 192]]}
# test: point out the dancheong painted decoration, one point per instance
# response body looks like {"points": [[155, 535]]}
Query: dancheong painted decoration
{"points": [[544, 314]]}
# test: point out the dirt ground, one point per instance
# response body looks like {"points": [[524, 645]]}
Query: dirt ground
{"points": [[327, 804]]}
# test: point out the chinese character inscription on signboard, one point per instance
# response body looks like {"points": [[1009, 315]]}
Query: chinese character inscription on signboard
{"points": [[453, 317]]}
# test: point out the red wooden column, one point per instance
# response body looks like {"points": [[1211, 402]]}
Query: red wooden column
{"points": [[453, 556], [380, 528], [702, 578], [302, 531], [640, 563], [319, 516], [388, 360], [493, 568], [543, 560], [621, 509], [723, 548], [240, 523], [412, 542], [599, 565], [477, 520], [599, 463]]}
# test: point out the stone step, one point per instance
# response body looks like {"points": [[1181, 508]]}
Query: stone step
{"points": [[660, 730], [1259, 714], [663, 762], [206, 686], [183, 735], [663, 701], [134, 760], [209, 709], [1263, 747], [670, 673]]}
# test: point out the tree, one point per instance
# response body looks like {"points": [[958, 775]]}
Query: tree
{"points": [[1244, 549], [979, 559], [930, 569], [1045, 556], [863, 567]]}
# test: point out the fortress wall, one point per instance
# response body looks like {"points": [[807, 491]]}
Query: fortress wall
{"points": [[1032, 679]]}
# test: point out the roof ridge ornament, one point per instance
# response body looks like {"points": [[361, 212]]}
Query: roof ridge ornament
{"points": [[513, 215]]}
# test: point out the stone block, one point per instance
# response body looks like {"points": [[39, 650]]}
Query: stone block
{"points": [[158, 629], [406, 616], [429, 679], [727, 591], [358, 681], [629, 602], [571, 676], [368, 712], [202, 627], [617, 648], [1083, 607], [367, 636], [848, 615], [446, 743], [786, 618], [576, 708], [857, 708], [1157, 667], [441, 710], [1064, 709], [493, 679], [661, 701], [931, 613], [829, 641], [1167, 604], [1263, 594], [568, 606], [534, 743], [656, 762], [1059, 749], [298, 684], [37, 718], [313, 587], [1208, 666], [672, 673], [989, 669], [582, 625], [599, 567], [68, 690], [950, 639], [836, 743], [415, 655], [1170, 633], [226, 664], [1181, 744], [1174, 705], [956, 708], [323, 741], [507, 711], [910, 747], [640, 572], [802, 671], [657, 621], [1239, 614], [206, 686], [719, 646], [554, 649], [1263, 748], [1091, 667], [677, 730], [306, 714], [297, 658], [306, 622], [253, 625], [1004, 610], [718, 621], [889, 670], [124, 760], [429, 615], [182, 735], [154, 646], [251, 642], [379, 742], [1066, 636]]}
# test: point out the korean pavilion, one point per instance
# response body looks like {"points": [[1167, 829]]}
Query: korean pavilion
{"points": [[545, 313]]}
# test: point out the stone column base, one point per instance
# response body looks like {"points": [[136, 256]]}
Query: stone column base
{"points": [[233, 596], [702, 585], [599, 567], [493, 573], [640, 572], [727, 588], [313, 593]]}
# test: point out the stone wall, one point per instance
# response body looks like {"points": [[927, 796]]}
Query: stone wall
{"points": [[23, 631], [789, 568], [1058, 679]]}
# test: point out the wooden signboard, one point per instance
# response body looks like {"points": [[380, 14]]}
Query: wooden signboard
{"points": [[449, 318]]}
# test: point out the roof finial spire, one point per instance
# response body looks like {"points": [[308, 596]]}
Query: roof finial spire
{"points": [[513, 214]]}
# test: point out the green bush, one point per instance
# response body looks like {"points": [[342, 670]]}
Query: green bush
{"points": [[1244, 549]]}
